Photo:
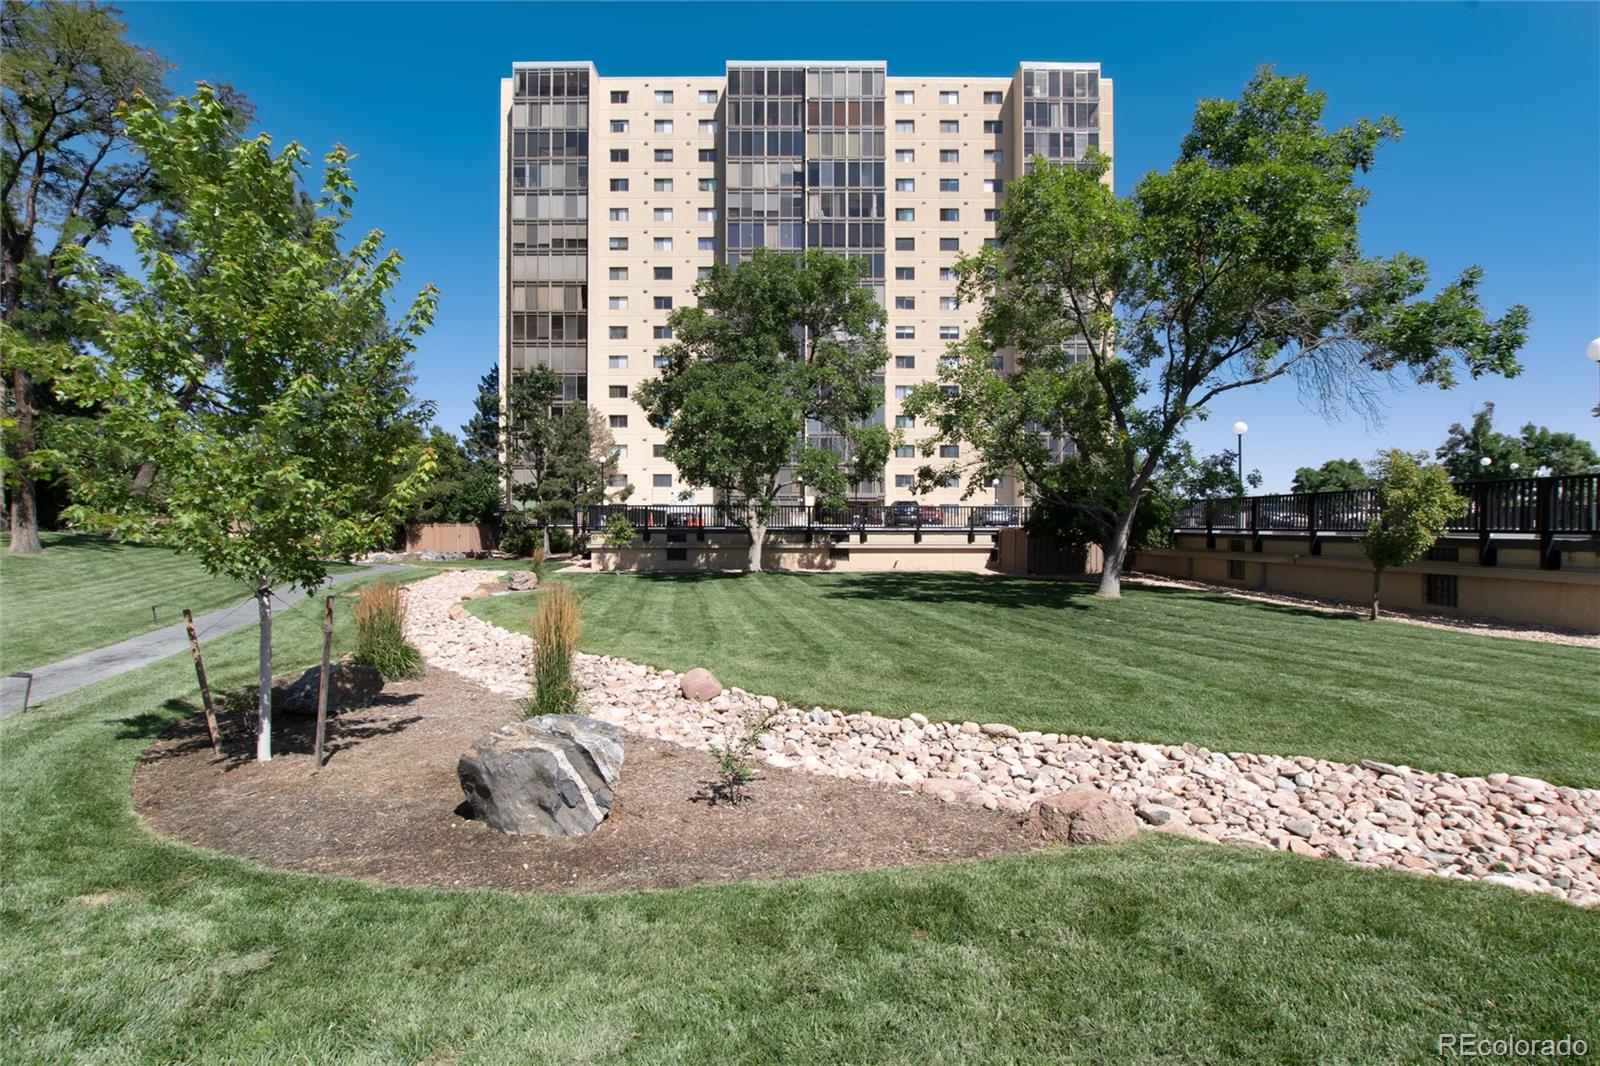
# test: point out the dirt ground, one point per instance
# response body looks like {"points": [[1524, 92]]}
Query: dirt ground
{"points": [[388, 807]]}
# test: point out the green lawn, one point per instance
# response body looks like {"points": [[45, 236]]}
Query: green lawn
{"points": [[1157, 665], [83, 592], [121, 947]]}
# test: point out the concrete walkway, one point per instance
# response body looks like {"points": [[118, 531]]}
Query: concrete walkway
{"points": [[68, 675]]}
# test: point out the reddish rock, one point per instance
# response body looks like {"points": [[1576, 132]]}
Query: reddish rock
{"points": [[700, 684], [1082, 816]]}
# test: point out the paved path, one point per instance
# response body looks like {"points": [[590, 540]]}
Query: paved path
{"points": [[68, 675]]}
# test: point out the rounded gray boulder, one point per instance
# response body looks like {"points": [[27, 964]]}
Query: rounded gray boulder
{"points": [[554, 775]]}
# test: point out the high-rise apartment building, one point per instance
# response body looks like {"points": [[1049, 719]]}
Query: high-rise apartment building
{"points": [[616, 194]]}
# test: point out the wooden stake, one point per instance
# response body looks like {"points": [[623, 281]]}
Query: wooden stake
{"points": [[205, 689], [322, 687]]}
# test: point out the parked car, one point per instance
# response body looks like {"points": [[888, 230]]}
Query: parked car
{"points": [[903, 513], [996, 515], [931, 515]]}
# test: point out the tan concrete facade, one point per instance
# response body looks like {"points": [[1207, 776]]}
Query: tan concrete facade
{"points": [[790, 552], [654, 205]]}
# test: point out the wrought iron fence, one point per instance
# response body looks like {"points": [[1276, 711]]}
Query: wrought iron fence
{"points": [[851, 517]]}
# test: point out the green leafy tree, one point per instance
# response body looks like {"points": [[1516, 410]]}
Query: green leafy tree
{"points": [[1465, 446], [462, 490], [773, 343], [70, 180], [583, 456], [481, 434], [1335, 475], [1240, 264], [1415, 503], [298, 443], [528, 436]]}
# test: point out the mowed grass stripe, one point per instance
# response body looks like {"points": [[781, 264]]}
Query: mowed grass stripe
{"points": [[1159, 665]]}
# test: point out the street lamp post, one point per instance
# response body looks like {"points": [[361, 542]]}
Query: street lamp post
{"points": [[1239, 430]]}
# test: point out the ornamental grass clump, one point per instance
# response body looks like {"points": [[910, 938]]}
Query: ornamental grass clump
{"points": [[555, 637], [381, 633]]}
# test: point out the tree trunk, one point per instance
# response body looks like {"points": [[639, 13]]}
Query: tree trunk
{"points": [[758, 537], [546, 531], [264, 702], [1377, 577], [24, 501], [1114, 555]]}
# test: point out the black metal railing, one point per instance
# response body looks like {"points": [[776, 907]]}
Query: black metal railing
{"points": [[1545, 508], [859, 518]]}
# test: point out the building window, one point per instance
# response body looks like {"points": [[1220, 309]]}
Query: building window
{"points": [[905, 214], [659, 361], [619, 392], [663, 125], [993, 126], [662, 214], [619, 214], [949, 244], [905, 273], [947, 303], [661, 481], [1440, 590], [619, 96], [621, 450], [708, 155], [904, 422], [905, 362], [904, 96], [663, 155], [618, 303], [905, 155], [658, 451], [905, 303], [947, 273], [617, 362], [619, 184], [619, 125], [708, 184], [905, 184], [905, 451], [904, 125], [663, 185], [619, 333], [705, 272], [707, 244], [905, 244], [619, 155], [905, 333], [663, 96], [949, 184], [619, 421], [949, 125], [949, 333], [991, 214], [617, 244], [663, 244], [949, 155], [994, 98], [949, 451], [662, 333], [663, 303], [619, 273], [998, 363], [993, 185], [902, 391], [949, 97], [902, 481], [663, 273], [994, 155], [1235, 569], [708, 96], [706, 214]]}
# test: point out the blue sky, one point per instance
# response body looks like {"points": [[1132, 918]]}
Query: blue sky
{"points": [[1500, 164]]}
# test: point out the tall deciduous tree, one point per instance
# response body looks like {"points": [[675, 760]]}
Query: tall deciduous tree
{"points": [[1465, 446], [245, 371], [1415, 502], [527, 437], [773, 343], [1335, 475], [69, 179], [1239, 265]]}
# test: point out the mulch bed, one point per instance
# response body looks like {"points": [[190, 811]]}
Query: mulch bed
{"points": [[388, 807]]}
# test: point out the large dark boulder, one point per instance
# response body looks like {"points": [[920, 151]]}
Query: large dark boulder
{"points": [[552, 776], [350, 686]]}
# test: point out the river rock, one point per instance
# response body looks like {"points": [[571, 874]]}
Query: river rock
{"points": [[554, 775]]}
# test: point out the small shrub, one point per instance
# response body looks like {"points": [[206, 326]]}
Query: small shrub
{"points": [[735, 753], [519, 534], [619, 532], [381, 633], [560, 539], [536, 561], [555, 632]]}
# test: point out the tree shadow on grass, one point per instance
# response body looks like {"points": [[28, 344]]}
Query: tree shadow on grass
{"points": [[935, 587]]}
